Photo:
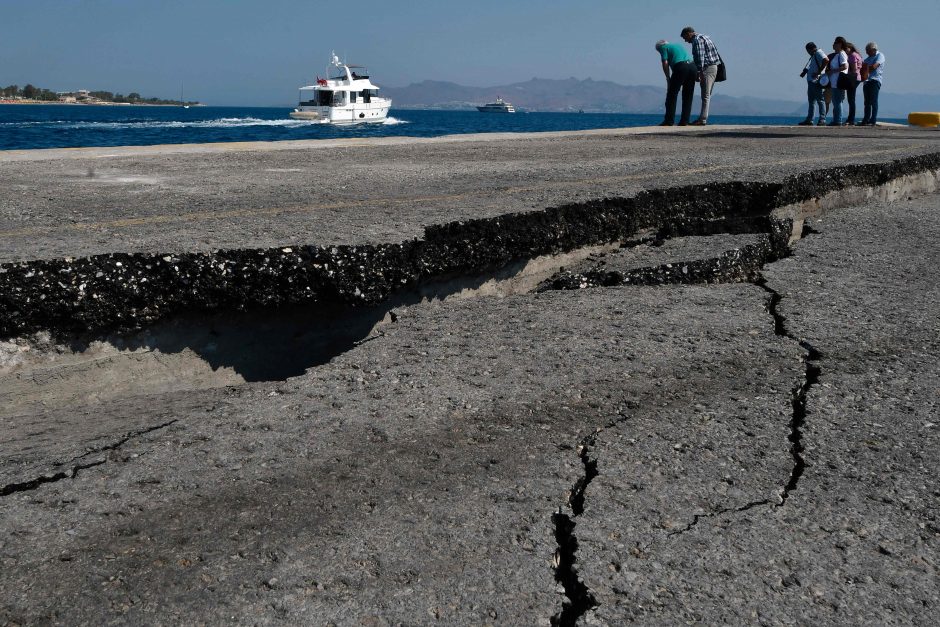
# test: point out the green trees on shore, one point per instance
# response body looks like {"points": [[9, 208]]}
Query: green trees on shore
{"points": [[30, 92]]}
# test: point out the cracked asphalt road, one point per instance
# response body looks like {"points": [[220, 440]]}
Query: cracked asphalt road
{"points": [[735, 452], [415, 477]]}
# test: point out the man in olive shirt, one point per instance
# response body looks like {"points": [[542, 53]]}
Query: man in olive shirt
{"points": [[680, 75]]}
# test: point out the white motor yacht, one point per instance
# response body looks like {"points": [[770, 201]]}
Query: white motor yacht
{"points": [[497, 107], [346, 97]]}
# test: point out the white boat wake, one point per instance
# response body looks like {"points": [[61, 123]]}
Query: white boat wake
{"points": [[157, 124]]}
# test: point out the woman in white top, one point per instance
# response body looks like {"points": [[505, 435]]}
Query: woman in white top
{"points": [[839, 64]]}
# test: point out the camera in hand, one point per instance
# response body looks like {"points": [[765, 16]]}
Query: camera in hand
{"points": [[803, 73]]}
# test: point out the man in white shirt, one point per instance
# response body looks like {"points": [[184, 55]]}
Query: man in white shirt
{"points": [[872, 73]]}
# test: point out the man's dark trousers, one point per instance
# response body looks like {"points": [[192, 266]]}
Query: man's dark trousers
{"points": [[871, 89], [683, 78]]}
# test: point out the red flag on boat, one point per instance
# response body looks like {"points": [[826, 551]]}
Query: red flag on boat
{"points": [[321, 81]]}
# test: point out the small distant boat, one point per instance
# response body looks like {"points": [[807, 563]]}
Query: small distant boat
{"points": [[347, 98], [497, 107]]}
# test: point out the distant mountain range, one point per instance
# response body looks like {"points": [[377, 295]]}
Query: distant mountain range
{"points": [[572, 94], [599, 96]]}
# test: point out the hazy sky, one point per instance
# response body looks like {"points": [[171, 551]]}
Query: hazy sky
{"points": [[254, 52]]}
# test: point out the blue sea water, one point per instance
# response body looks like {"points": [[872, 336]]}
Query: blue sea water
{"points": [[66, 126]]}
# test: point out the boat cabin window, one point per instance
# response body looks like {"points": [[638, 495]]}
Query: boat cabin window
{"points": [[327, 98], [352, 96], [308, 98], [366, 95]]}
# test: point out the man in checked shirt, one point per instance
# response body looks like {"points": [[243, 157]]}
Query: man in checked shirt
{"points": [[706, 58]]}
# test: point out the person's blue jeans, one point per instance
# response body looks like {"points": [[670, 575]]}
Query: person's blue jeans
{"points": [[871, 89], [814, 94], [838, 96]]}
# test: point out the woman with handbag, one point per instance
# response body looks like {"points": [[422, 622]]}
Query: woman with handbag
{"points": [[838, 79], [855, 77]]}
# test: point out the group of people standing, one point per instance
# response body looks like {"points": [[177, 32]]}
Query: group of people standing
{"points": [[683, 72], [835, 78], [831, 79]]}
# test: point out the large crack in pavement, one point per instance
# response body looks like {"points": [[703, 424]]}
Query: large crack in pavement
{"points": [[33, 484], [798, 404], [744, 264], [799, 392], [797, 421], [851, 314], [740, 264], [580, 599], [119, 292], [74, 468], [369, 275], [206, 309]]}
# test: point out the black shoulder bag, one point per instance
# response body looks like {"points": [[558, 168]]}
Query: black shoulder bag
{"points": [[722, 75]]}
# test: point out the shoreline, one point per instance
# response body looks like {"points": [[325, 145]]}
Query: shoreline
{"points": [[94, 104]]}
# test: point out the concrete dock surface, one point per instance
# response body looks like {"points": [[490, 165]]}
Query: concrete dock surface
{"points": [[702, 421]]}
